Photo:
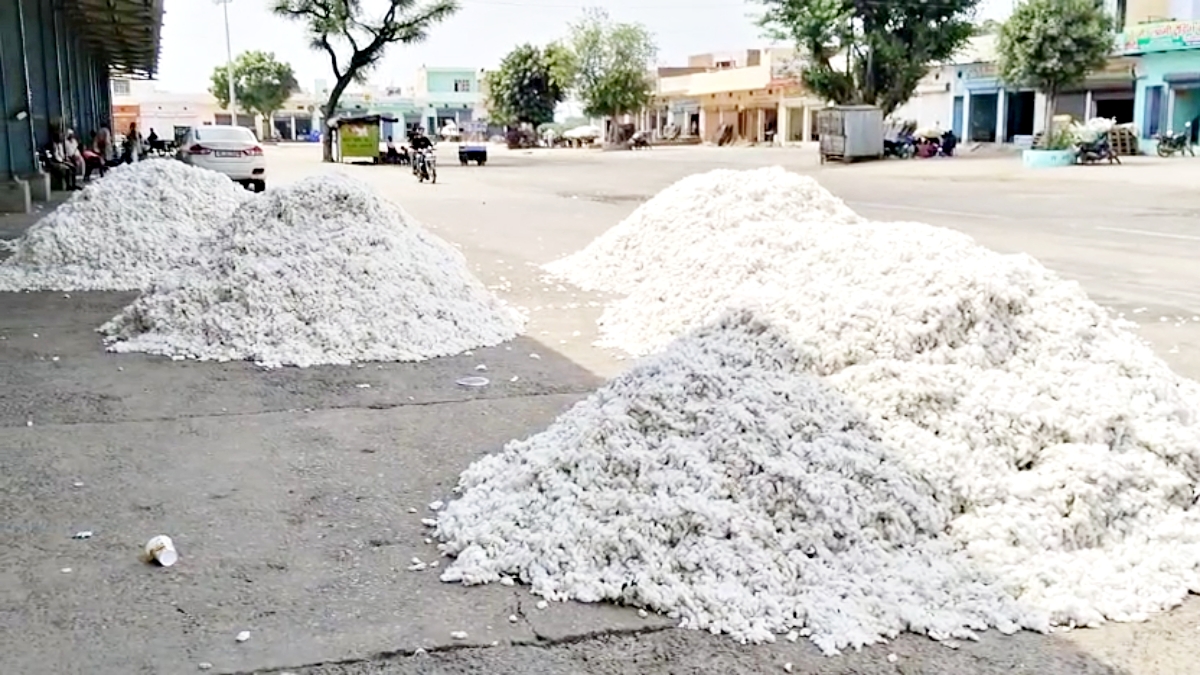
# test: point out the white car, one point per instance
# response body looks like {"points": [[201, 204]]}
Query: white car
{"points": [[233, 151]]}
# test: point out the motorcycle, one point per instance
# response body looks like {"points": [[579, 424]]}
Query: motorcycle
{"points": [[1170, 143], [1090, 152], [425, 166], [902, 147]]}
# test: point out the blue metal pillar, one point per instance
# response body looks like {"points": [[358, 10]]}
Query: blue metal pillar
{"points": [[54, 21], [35, 66], [14, 81], [52, 89]]}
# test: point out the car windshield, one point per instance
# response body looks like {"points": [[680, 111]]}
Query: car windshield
{"points": [[225, 134]]}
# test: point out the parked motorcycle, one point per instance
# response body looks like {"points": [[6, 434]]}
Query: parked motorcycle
{"points": [[425, 166], [1099, 150], [1170, 143], [902, 147]]}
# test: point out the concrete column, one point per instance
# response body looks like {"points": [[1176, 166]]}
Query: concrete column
{"points": [[966, 118], [1088, 113], [1001, 115], [292, 126], [1170, 111], [760, 124], [18, 142], [806, 133], [783, 124]]}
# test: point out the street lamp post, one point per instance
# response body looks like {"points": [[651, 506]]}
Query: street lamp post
{"points": [[229, 64]]}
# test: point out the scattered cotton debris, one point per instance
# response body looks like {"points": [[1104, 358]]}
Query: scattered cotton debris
{"points": [[243, 636], [719, 484], [124, 231], [542, 604], [1066, 449], [86, 534], [435, 505], [458, 635], [892, 658], [319, 272]]}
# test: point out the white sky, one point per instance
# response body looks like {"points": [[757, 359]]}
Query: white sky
{"points": [[193, 37]]}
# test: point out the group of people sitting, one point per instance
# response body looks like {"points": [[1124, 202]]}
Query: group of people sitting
{"points": [[65, 158]]}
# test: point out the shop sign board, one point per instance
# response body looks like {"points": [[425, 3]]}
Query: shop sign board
{"points": [[1167, 36]]}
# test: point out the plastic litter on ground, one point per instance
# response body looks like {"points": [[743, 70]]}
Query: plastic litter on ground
{"points": [[1065, 453], [124, 231], [319, 272]]}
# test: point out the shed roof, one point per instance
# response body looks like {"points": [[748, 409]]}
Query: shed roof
{"points": [[123, 33]]}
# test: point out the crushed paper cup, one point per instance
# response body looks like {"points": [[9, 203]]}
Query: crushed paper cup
{"points": [[161, 549]]}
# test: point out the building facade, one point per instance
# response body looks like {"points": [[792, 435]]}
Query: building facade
{"points": [[56, 57], [1166, 67], [967, 97], [448, 95], [755, 94]]}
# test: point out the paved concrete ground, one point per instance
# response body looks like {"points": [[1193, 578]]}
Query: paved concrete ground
{"points": [[288, 492]]}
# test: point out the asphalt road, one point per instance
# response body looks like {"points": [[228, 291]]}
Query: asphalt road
{"points": [[289, 492]]}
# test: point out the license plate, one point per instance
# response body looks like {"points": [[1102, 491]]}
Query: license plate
{"points": [[227, 153]]}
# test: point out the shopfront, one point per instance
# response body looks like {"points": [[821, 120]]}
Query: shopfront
{"points": [[1168, 77], [989, 112]]}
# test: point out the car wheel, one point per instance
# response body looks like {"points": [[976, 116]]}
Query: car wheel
{"points": [[260, 185]]}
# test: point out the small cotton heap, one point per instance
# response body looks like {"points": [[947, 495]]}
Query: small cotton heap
{"points": [[688, 214], [319, 272], [1068, 451], [123, 231], [718, 484]]}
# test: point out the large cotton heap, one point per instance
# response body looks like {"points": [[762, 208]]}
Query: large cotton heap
{"points": [[123, 231], [319, 272], [688, 214], [1068, 452], [719, 484]]}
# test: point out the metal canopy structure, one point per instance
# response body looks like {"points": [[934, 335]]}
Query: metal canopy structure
{"points": [[122, 33]]}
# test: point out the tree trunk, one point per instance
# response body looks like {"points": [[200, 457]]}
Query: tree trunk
{"points": [[329, 111]]}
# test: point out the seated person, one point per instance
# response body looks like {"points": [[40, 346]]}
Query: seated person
{"points": [[392, 157], [55, 160]]}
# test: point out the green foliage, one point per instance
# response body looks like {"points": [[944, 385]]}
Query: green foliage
{"points": [[1051, 45], [355, 41], [612, 63], [261, 84], [529, 84], [864, 52]]}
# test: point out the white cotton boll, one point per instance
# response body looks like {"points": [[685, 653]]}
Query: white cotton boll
{"points": [[319, 272], [718, 484], [1062, 442], [124, 231]]}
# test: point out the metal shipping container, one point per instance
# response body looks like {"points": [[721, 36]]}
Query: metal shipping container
{"points": [[850, 132]]}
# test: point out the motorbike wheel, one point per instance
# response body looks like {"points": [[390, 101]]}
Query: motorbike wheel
{"points": [[1164, 151]]}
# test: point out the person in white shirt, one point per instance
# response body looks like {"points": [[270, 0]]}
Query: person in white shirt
{"points": [[71, 151]]}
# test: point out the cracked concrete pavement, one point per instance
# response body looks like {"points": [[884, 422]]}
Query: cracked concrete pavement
{"points": [[290, 492]]}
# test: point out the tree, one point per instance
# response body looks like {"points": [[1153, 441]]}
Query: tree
{"points": [[1051, 45], [529, 84], [355, 42], [612, 65], [871, 52], [261, 84]]}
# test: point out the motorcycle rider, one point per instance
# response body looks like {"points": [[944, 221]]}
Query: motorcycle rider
{"points": [[420, 144]]}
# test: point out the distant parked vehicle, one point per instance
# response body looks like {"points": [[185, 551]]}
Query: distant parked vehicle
{"points": [[233, 151], [1170, 143]]}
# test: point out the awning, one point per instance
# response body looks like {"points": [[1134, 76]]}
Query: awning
{"points": [[125, 34], [1182, 79]]}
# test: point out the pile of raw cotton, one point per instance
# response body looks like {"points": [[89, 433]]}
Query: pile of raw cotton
{"points": [[719, 484], [319, 272], [1067, 451], [124, 231], [689, 214]]}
